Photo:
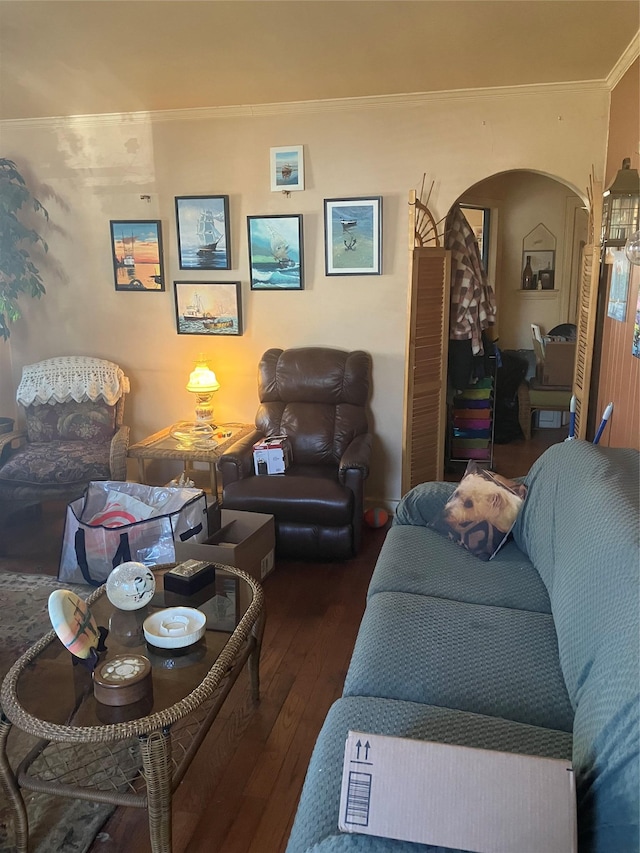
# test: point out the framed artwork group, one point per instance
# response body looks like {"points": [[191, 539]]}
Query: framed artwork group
{"points": [[352, 238]]}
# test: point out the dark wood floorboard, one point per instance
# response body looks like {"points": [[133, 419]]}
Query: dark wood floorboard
{"points": [[241, 791]]}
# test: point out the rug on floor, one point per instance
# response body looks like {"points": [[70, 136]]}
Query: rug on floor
{"points": [[55, 823]]}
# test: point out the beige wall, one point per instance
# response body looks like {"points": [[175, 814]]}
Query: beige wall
{"points": [[92, 170]]}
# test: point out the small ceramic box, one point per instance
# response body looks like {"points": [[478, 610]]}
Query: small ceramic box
{"points": [[189, 577]]}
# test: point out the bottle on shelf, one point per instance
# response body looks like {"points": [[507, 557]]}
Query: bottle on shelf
{"points": [[527, 276]]}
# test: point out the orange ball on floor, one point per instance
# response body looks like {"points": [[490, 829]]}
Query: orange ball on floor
{"points": [[376, 517]]}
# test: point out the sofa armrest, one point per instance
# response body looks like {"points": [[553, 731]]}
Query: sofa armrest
{"points": [[422, 503], [356, 457], [236, 463], [118, 454]]}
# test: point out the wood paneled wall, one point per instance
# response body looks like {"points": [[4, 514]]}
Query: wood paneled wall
{"points": [[619, 376]]}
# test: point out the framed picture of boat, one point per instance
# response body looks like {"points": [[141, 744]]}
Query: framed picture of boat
{"points": [[136, 249], [208, 307], [287, 168], [203, 232], [353, 236], [276, 252]]}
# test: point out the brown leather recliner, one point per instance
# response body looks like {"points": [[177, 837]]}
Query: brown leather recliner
{"points": [[317, 397]]}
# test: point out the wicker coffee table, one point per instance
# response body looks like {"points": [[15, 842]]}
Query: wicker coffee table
{"points": [[133, 755]]}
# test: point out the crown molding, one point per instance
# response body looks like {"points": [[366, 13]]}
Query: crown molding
{"points": [[624, 63], [306, 107]]}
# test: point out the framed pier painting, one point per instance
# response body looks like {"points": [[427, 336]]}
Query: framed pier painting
{"points": [[203, 232], [276, 252], [287, 168], [208, 307], [353, 236], [136, 249]]}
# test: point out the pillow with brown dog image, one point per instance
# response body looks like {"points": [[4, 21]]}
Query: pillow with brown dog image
{"points": [[482, 510]]}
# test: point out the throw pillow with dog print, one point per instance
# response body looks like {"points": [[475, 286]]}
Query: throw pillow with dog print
{"points": [[482, 510]]}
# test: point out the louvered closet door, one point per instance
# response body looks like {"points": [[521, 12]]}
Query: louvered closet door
{"points": [[587, 306], [425, 416]]}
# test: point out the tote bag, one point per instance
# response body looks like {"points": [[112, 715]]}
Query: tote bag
{"points": [[114, 522]]}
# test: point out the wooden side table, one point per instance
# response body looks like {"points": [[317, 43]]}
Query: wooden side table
{"points": [[162, 445]]}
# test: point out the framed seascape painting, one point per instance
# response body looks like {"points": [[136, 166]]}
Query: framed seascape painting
{"points": [[275, 252], [208, 307], [203, 232], [287, 168], [136, 249], [353, 236]]}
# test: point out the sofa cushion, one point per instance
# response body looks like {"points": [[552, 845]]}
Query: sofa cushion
{"points": [[316, 824], [58, 463], [481, 511], [416, 559], [489, 660], [580, 526]]}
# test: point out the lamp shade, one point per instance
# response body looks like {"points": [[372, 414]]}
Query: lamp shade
{"points": [[620, 206], [202, 379]]}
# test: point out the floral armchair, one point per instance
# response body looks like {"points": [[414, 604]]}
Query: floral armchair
{"points": [[73, 433]]}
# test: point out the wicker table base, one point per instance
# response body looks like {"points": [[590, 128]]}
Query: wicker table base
{"points": [[135, 763]]}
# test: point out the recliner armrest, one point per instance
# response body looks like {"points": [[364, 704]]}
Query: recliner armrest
{"points": [[236, 463], [357, 455]]}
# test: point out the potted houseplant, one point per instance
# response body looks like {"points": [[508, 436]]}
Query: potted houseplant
{"points": [[18, 274]]}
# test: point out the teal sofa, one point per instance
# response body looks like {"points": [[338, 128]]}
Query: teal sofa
{"points": [[535, 652]]}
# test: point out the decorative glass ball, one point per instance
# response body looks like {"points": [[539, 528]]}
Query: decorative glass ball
{"points": [[130, 586], [632, 248]]}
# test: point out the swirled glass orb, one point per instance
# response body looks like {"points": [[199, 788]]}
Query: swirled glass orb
{"points": [[632, 248], [130, 586]]}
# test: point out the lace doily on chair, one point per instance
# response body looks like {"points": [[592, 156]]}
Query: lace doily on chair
{"points": [[66, 378]]}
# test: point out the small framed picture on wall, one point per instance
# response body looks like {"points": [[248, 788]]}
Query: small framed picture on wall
{"points": [[208, 307], [203, 232], [353, 236], [287, 168], [136, 249]]}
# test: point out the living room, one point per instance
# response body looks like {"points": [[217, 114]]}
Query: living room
{"points": [[131, 159]]}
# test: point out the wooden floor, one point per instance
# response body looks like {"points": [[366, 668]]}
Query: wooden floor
{"points": [[241, 792]]}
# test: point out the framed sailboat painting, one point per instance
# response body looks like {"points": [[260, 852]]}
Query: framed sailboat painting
{"points": [[203, 232], [353, 236], [276, 252], [136, 249], [287, 168], [208, 307]]}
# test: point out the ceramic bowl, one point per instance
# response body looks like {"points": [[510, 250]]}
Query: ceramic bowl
{"points": [[174, 627], [130, 586]]}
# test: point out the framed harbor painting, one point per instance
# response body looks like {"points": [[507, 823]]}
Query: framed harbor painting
{"points": [[136, 249], [208, 307], [287, 168], [203, 232], [275, 252], [353, 236]]}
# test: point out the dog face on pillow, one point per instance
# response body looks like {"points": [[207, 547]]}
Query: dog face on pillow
{"points": [[481, 512], [477, 499]]}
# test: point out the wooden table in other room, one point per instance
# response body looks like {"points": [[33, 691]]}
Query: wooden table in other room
{"points": [[162, 445]]}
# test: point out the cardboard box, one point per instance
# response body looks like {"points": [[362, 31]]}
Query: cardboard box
{"points": [[557, 366], [272, 455], [456, 796], [246, 540]]}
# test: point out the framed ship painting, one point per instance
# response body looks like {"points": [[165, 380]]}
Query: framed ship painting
{"points": [[287, 168], [203, 232], [275, 252], [136, 249], [353, 236], [208, 307]]}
